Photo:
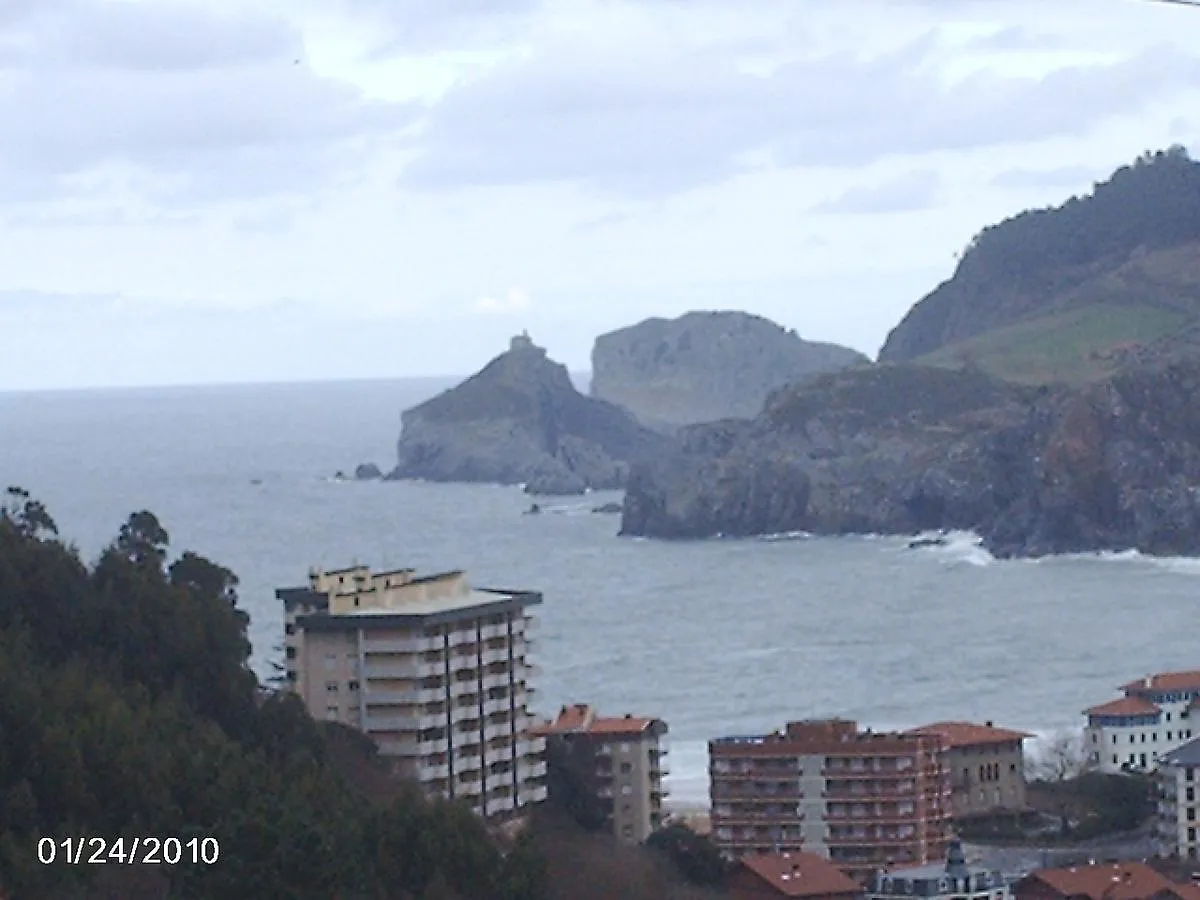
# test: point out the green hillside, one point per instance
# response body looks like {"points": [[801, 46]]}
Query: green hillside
{"points": [[1070, 292]]}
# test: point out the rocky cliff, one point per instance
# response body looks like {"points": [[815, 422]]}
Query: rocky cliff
{"points": [[705, 366], [520, 420], [901, 449]]}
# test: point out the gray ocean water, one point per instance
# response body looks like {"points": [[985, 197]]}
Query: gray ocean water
{"points": [[716, 637]]}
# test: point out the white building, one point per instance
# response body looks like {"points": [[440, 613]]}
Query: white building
{"points": [[1153, 718], [1177, 804], [434, 670]]}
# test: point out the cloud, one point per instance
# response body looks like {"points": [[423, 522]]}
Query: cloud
{"points": [[660, 120], [1060, 177], [189, 104], [905, 193], [425, 26], [515, 301]]}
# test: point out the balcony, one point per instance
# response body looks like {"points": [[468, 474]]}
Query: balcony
{"points": [[527, 771], [741, 816], [490, 632], [464, 714], [497, 730], [497, 705], [495, 655], [433, 772], [399, 668], [372, 645], [393, 722]]}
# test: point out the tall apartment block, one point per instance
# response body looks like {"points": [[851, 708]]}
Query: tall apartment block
{"points": [[1156, 715], [436, 671], [624, 758], [862, 800]]}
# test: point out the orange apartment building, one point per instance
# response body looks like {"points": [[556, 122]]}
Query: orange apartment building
{"points": [[862, 800]]}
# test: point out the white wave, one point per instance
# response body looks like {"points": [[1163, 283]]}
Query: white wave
{"points": [[1185, 565], [785, 536], [955, 547]]}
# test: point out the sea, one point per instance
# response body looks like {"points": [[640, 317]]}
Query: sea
{"points": [[717, 637]]}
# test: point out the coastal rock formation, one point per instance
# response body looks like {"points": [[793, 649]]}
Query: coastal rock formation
{"points": [[904, 449], [705, 366], [520, 420], [367, 472]]}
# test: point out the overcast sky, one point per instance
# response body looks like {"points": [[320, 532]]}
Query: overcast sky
{"points": [[315, 189]]}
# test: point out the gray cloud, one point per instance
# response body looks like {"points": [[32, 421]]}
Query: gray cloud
{"points": [[912, 192], [208, 106], [1079, 177], [656, 123]]}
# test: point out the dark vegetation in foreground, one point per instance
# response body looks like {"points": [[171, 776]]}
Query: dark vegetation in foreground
{"points": [[127, 708]]}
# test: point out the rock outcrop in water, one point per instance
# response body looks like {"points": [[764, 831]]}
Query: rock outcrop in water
{"points": [[521, 420], [902, 449], [705, 366]]}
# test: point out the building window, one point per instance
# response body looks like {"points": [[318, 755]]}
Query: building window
{"points": [[1154, 736], [625, 748], [1114, 737], [626, 768], [290, 653], [627, 831], [353, 685], [1168, 735], [1168, 717], [626, 790], [331, 687], [289, 628], [1133, 739], [1189, 773], [1191, 814], [1191, 795], [331, 713], [626, 807], [1143, 760], [1114, 759], [1191, 834]]}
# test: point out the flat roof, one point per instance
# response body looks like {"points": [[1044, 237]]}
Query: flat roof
{"points": [[479, 602]]}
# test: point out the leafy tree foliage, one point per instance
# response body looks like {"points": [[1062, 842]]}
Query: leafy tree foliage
{"points": [[694, 856], [127, 708], [1155, 202]]}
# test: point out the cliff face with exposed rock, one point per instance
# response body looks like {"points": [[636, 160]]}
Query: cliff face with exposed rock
{"points": [[902, 449], [705, 366], [521, 420]]}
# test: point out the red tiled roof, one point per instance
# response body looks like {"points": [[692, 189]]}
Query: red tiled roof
{"points": [[1166, 681], [581, 718], [1126, 706], [1110, 881], [800, 874], [968, 734]]}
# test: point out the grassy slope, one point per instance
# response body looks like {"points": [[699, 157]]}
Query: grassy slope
{"points": [[1145, 300]]}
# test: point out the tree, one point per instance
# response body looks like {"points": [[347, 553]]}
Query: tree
{"points": [[694, 856], [204, 576], [143, 541], [27, 515], [1061, 758]]}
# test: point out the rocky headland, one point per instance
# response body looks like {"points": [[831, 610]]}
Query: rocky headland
{"points": [[520, 420], [705, 366], [1043, 397], [904, 449]]}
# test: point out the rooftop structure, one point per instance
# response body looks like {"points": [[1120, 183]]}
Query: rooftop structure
{"points": [[763, 875], [954, 878]]}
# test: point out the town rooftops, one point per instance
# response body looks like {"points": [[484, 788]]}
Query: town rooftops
{"points": [[1185, 755], [580, 718], [1126, 706], [1111, 881], [968, 734], [800, 874], [1165, 682]]}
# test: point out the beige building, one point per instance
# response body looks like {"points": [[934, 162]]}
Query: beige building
{"points": [[627, 754], [1178, 782], [436, 671], [987, 767]]}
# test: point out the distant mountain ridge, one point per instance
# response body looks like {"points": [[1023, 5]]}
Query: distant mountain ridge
{"points": [[705, 366], [1062, 294]]}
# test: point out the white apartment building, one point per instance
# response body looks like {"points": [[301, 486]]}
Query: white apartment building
{"points": [[435, 671], [1156, 715], [1178, 780]]}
